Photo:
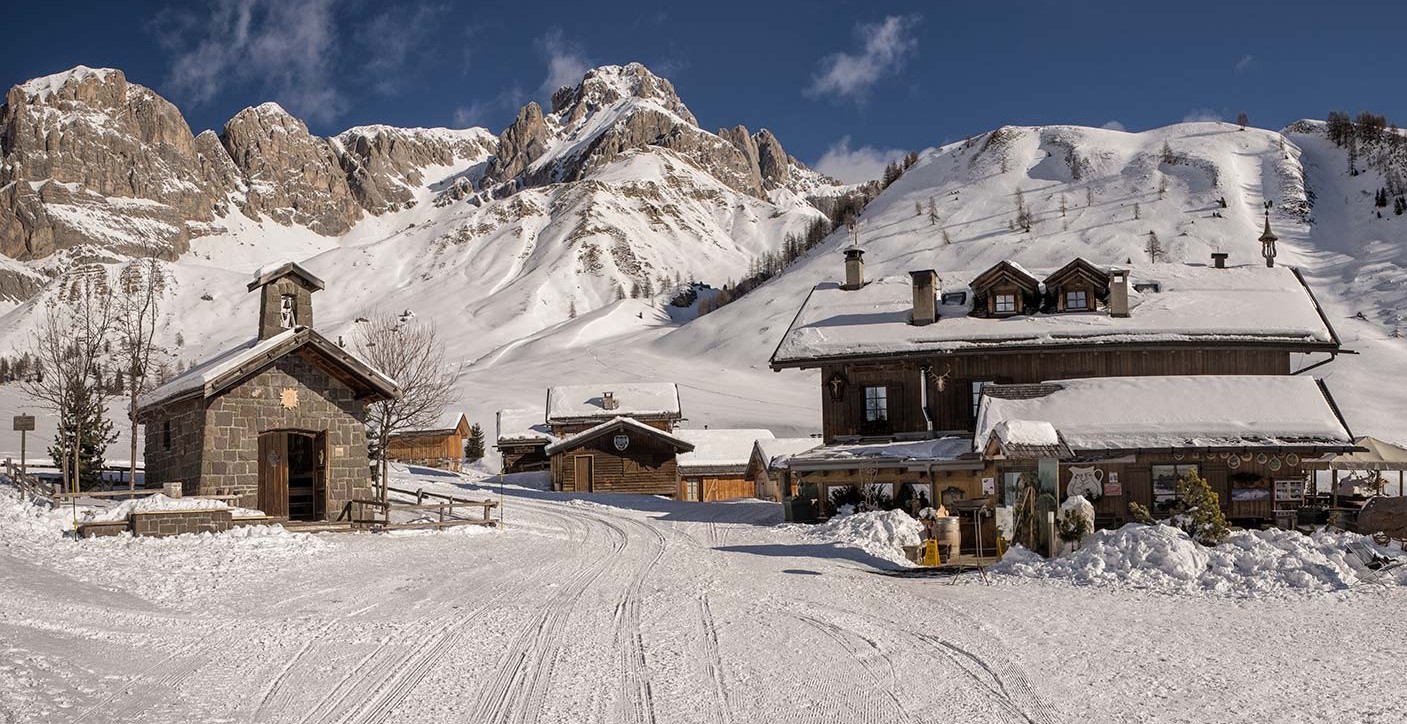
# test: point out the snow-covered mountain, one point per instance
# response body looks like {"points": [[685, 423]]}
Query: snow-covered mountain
{"points": [[524, 247]]}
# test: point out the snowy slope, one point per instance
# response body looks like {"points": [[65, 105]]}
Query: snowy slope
{"points": [[1353, 262]]}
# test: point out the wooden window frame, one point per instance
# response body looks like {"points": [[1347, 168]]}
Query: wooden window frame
{"points": [[997, 303], [882, 397], [1084, 300], [1179, 471]]}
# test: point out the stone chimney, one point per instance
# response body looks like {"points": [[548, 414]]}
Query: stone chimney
{"points": [[608, 401], [854, 268], [1219, 259], [1119, 293], [285, 298], [925, 297]]}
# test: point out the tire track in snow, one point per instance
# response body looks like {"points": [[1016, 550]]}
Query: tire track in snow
{"points": [[635, 675], [713, 661], [865, 653]]}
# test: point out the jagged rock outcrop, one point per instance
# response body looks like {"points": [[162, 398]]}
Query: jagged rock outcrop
{"points": [[384, 164], [520, 144], [92, 128], [292, 176], [773, 162], [740, 138]]}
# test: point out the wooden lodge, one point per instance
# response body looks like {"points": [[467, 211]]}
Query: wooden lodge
{"points": [[279, 421], [615, 438], [767, 466], [438, 446], [906, 365]]}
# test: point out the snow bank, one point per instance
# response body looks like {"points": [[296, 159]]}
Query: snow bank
{"points": [[159, 502], [880, 533], [1249, 563]]}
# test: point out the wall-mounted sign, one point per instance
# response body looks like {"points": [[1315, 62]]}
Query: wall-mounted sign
{"points": [[989, 486], [1086, 481], [1112, 486], [621, 442]]}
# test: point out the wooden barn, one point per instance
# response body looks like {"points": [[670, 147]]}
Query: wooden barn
{"points": [[438, 446], [716, 469], [615, 437], [279, 420], [522, 439], [904, 361]]}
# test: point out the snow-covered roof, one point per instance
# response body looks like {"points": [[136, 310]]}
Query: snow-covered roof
{"points": [[1243, 304], [522, 425], [447, 422], [719, 451], [634, 399], [206, 377], [777, 451], [1029, 439], [1206, 411], [949, 451], [589, 433], [274, 270]]}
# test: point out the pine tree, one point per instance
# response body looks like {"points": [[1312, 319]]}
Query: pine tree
{"points": [[1162, 187], [1136, 213], [1062, 205], [1242, 120], [932, 212], [571, 309], [94, 432], [474, 446], [1168, 156], [918, 208]]}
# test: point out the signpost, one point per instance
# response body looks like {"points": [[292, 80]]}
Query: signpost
{"points": [[24, 424]]}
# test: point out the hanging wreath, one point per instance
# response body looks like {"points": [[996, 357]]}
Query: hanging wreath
{"points": [[1292, 460], [1275, 464], [1233, 462], [1262, 459]]}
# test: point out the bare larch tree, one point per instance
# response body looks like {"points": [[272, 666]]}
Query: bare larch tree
{"points": [[408, 352], [140, 285]]}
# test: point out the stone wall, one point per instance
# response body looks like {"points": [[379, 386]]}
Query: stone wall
{"points": [[176, 522], [270, 304], [181, 460], [292, 394]]}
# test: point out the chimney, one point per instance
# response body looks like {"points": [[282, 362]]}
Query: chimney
{"points": [[1119, 293], [608, 401], [925, 297], [1219, 259], [854, 268]]}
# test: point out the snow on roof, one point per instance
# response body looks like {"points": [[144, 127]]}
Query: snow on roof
{"points": [[198, 377], [1207, 411], [639, 399], [448, 421], [1026, 432], [777, 451], [950, 449], [723, 450], [1193, 303], [573, 440], [521, 425]]}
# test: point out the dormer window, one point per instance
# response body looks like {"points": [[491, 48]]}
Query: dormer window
{"points": [[1077, 301], [1004, 303]]}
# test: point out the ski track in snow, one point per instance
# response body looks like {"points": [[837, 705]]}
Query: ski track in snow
{"points": [[637, 609]]}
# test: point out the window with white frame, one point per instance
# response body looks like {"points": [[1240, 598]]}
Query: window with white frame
{"points": [[1077, 299], [1004, 303], [876, 404]]}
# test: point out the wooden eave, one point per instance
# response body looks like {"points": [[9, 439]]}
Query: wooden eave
{"points": [[1005, 271]]}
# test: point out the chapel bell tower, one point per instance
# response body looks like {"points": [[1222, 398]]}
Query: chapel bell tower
{"points": [[285, 298]]}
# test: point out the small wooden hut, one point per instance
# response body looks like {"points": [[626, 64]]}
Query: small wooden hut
{"points": [[438, 446]]}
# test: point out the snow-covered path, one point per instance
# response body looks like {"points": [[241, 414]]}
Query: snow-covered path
{"points": [[632, 609]]}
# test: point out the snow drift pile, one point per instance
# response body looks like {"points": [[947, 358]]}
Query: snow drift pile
{"points": [[159, 502], [1164, 558], [880, 533]]}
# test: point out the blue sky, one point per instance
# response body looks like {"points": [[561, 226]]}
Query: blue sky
{"points": [[842, 83]]}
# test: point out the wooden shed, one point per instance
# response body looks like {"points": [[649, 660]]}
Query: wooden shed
{"points": [[716, 469], [439, 446], [767, 467], [620, 455], [522, 440]]}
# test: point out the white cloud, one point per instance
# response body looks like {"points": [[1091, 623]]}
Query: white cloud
{"points": [[566, 63], [285, 46], [855, 165], [886, 45], [1244, 63], [390, 40], [1114, 126], [1197, 115]]}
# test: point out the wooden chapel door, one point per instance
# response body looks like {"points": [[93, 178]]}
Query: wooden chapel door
{"points": [[273, 474]]}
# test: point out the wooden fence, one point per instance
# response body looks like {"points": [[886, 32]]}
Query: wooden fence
{"points": [[376, 514]]}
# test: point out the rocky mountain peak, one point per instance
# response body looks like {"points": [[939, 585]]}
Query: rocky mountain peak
{"points": [[608, 84]]}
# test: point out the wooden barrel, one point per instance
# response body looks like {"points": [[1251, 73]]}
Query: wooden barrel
{"points": [[949, 533]]}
